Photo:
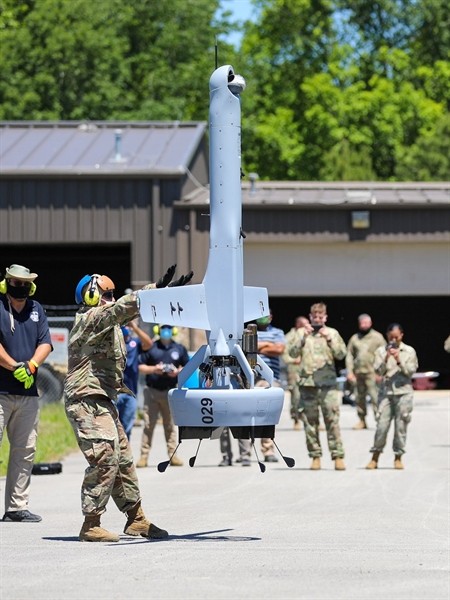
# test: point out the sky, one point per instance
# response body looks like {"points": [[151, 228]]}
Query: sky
{"points": [[241, 11]]}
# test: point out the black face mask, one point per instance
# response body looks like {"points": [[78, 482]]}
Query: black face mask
{"points": [[19, 293], [363, 332]]}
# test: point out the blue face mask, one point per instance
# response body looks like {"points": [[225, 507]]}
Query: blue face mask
{"points": [[165, 333]]}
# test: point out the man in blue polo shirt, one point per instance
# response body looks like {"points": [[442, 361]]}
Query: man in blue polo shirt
{"points": [[24, 345], [161, 365]]}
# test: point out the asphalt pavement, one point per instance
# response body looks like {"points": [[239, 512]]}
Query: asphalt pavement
{"points": [[238, 533]]}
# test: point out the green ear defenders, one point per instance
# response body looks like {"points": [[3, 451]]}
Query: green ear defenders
{"points": [[91, 296], [87, 292], [156, 329], [91, 288]]}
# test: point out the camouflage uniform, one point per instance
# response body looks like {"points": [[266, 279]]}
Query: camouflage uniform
{"points": [[97, 358], [292, 373], [447, 344], [359, 360], [395, 396], [318, 388]]}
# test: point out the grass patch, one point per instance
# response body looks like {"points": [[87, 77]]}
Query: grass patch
{"points": [[55, 437]]}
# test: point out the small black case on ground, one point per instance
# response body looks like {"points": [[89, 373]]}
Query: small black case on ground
{"points": [[46, 468]]}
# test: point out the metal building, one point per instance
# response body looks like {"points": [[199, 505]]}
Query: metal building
{"points": [[79, 198], [130, 199], [381, 248]]}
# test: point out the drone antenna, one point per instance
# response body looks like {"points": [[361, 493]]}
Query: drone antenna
{"points": [[215, 52]]}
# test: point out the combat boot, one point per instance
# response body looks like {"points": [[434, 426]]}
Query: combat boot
{"points": [[92, 532], [398, 462], [361, 424], [176, 462], [138, 524], [142, 462], [339, 464], [374, 462], [315, 465]]}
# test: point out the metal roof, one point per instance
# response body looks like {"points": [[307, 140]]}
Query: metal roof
{"points": [[98, 148], [276, 194]]}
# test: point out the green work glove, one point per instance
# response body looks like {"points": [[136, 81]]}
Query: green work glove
{"points": [[28, 382], [24, 372]]}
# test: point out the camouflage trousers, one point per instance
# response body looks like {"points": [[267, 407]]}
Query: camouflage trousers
{"points": [[294, 391], [326, 399], [397, 409], [366, 386], [102, 440]]}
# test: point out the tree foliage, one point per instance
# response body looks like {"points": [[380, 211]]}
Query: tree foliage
{"points": [[336, 89], [106, 59], [355, 99]]}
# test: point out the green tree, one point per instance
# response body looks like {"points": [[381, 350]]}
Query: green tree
{"points": [[428, 159], [336, 88], [107, 59], [345, 162], [349, 102], [291, 40], [420, 28]]}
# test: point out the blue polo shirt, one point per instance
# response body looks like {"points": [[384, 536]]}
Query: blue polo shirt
{"points": [[30, 331], [172, 353]]}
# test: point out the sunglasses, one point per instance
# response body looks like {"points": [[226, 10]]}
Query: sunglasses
{"points": [[19, 283], [108, 295]]}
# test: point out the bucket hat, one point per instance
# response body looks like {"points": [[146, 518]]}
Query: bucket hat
{"points": [[20, 272]]}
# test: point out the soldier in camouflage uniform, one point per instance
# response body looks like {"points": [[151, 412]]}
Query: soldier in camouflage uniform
{"points": [[396, 363], [318, 346], [292, 366], [359, 364], [97, 358]]}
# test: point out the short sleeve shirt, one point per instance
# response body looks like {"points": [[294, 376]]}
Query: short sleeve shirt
{"points": [[20, 342], [275, 335]]}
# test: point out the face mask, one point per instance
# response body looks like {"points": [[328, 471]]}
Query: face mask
{"points": [[19, 293], [166, 333], [263, 321], [364, 331]]}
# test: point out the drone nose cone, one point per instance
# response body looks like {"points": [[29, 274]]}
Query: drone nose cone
{"points": [[221, 347], [237, 84]]}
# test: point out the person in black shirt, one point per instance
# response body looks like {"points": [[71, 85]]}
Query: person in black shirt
{"points": [[25, 344], [161, 365]]}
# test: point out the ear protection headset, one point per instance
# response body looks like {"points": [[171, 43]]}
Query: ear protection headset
{"points": [[91, 288], [91, 296], [4, 289], [156, 330]]}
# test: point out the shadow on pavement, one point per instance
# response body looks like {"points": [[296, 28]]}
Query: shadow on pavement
{"points": [[200, 536]]}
